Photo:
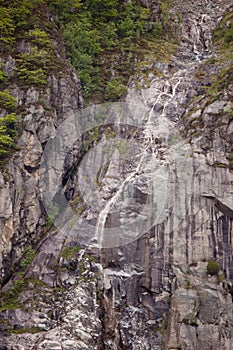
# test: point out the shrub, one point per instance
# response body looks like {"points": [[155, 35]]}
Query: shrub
{"points": [[3, 75], [7, 27], [33, 66], [193, 320], [7, 133], [115, 89], [213, 267], [7, 101], [103, 39], [68, 253], [40, 38], [28, 258], [6, 142], [83, 44]]}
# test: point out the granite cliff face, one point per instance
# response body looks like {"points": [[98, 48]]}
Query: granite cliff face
{"points": [[150, 202]]}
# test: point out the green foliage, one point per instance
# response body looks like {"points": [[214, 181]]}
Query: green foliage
{"points": [[115, 89], [28, 258], [83, 44], [106, 36], [31, 330], [223, 40], [99, 295], [7, 27], [68, 253], [187, 283], [193, 320], [109, 35], [52, 213], [213, 267], [16, 16], [33, 66], [77, 204], [3, 76], [40, 38], [223, 35], [163, 324], [9, 299], [65, 9], [7, 133], [6, 142], [8, 123], [221, 278], [230, 159], [90, 137], [221, 81], [22, 19], [7, 101]]}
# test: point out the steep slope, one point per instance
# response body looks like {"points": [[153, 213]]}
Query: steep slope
{"points": [[149, 188]]}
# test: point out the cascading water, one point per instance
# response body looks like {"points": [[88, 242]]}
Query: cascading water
{"points": [[150, 133], [202, 39], [166, 96], [138, 295]]}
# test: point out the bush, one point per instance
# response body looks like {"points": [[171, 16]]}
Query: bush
{"points": [[33, 67], [83, 44], [115, 89], [28, 258], [213, 267], [7, 101], [103, 39], [40, 38], [68, 253], [7, 133], [7, 27], [3, 76], [8, 123]]}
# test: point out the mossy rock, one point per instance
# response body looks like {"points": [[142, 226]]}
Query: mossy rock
{"points": [[213, 267]]}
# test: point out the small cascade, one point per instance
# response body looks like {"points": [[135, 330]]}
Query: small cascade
{"points": [[195, 43], [103, 215], [166, 98], [167, 93], [202, 38], [172, 95], [150, 136]]}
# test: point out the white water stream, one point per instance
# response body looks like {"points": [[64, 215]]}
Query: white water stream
{"points": [[165, 95], [168, 90]]}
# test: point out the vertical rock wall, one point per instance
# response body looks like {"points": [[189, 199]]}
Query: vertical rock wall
{"points": [[154, 291]]}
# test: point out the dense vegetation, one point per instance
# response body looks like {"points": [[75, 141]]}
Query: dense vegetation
{"points": [[24, 35], [106, 40]]}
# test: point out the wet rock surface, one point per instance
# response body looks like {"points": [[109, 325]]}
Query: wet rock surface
{"points": [[147, 286]]}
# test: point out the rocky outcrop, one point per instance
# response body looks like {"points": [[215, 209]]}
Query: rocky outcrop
{"points": [[41, 110], [201, 312], [148, 202]]}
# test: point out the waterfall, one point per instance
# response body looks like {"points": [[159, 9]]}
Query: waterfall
{"points": [[164, 96]]}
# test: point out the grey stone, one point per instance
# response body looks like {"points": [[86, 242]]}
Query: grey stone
{"points": [[154, 291]]}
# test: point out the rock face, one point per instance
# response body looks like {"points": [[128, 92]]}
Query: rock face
{"points": [[150, 202], [22, 215]]}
